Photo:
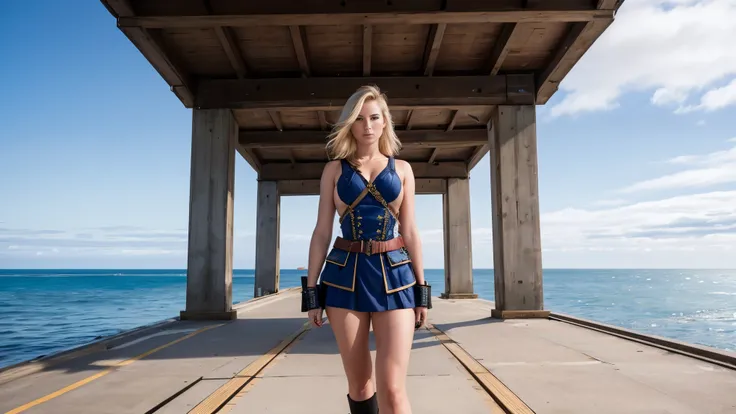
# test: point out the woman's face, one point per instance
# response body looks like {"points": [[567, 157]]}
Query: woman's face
{"points": [[368, 127]]}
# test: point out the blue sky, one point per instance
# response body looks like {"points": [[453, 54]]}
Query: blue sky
{"points": [[637, 157]]}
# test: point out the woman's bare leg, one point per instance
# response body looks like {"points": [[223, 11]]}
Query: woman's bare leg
{"points": [[351, 333], [394, 332]]}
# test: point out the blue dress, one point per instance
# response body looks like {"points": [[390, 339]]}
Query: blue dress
{"points": [[368, 282]]}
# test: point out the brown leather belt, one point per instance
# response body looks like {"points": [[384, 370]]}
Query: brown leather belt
{"points": [[369, 246]]}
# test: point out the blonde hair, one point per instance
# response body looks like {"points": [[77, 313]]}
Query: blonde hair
{"points": [[342, 144]]}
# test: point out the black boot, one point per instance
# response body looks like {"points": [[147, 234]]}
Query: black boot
{"points": [[369, 406]]}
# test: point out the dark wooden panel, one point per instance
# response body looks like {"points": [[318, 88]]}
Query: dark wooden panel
{"points": [[335, 50], [454, 154], [491, 14], [413, 138], [254, 119], [267, 49], [309, 92], [282, 7], [466, 47], [398, 49], [415, 154], [531, 45], [199, 50], [300, 120]]}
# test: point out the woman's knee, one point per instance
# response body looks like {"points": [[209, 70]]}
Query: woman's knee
{"points": [[394, 393]]}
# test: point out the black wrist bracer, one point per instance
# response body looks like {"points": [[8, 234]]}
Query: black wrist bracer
{"points": [[423, 295], [311, 296]]}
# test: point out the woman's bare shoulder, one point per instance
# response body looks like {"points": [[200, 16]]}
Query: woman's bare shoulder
{"points": [[331, 170], [404, 167]]}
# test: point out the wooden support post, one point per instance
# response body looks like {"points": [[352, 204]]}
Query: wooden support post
{"points": [[210, 253], [267, 236], [517, 252], [458, 244]]}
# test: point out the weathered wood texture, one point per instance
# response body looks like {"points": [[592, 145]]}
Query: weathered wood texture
{"points": [[311, 187], [193, 42], [240, 7], [332, 92], [268, 221], [210, 253], [458, 243], [290, 13], [318, 139], [577, 41], [436, 134], [517, 253]]}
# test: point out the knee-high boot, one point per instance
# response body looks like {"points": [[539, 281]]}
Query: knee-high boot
{"points": [[369, 406]]}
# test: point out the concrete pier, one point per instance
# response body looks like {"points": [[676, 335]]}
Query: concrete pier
{"points": [[268, 360]]}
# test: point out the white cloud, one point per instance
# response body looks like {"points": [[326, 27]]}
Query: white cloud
{"points": [[684, 230], [714, 99], [88, 242], [697, 221], [677, 50], [609, 203], [705, 170]]}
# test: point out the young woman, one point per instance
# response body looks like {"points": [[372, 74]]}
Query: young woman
{"points": [[371, 275]]}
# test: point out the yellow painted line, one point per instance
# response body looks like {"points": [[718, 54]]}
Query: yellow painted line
{"points": [[225, 393], [103, 373], [509, 401]]}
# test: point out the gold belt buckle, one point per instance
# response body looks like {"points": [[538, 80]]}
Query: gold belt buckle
{"points": [[370, 247]]}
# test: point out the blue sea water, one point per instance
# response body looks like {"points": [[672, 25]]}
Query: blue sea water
{"points": [[46, 311]]}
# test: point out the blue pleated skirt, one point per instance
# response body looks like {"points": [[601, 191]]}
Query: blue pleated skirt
{"points": [[368, 283]]}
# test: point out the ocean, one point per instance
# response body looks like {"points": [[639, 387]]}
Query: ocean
{"points": [[47, 311]]}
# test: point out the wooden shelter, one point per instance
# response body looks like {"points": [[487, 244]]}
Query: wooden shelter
{"points": [[265, 79]]}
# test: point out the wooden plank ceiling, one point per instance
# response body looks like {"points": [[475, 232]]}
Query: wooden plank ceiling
{"points": [[285, 67]]}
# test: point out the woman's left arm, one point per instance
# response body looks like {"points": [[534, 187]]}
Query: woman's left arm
{"points": [[407, 223]]}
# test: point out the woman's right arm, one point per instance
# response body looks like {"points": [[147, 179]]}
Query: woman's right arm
{"points": [[322, 234]]}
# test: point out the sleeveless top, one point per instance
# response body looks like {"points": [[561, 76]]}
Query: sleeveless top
{"points": [[370, 219]]}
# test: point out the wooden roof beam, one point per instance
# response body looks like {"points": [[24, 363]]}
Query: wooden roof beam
{"points": [[609, 4], [249, 157], [409, 139], [409, 120], [488, 12], [299, 38], [313, 170], [501, 48], [322, 120], [478, 155], [119, 8], [434, 41], [580, 37], [332, 92], [151, 47], [230, 46], [367, 49], [276, 118], [453, 121], [393, 107]]}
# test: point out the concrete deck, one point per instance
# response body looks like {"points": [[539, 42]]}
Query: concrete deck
{"points": [[266, 361]]}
